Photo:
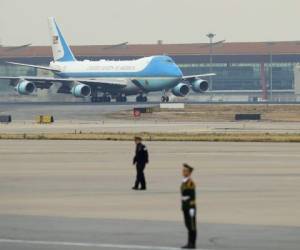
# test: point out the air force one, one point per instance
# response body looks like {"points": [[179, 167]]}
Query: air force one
{"points": [[105, 80]]}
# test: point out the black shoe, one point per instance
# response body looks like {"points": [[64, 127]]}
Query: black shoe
{"points": [[143, 188], [188, 247], [135, 188]]}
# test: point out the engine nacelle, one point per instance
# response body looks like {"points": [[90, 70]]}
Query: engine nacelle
{"points": [[182, 89], [200, 86], [81, 90], [25, 87]]}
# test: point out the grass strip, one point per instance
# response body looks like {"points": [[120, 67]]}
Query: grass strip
{"points": [[213, 137]]}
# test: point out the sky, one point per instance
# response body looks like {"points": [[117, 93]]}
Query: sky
{"points": [[146, 21]]}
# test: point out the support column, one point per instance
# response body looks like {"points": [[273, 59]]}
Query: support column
{"points": [[263, 82]]}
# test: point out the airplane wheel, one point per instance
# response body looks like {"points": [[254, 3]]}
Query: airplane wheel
{"points": [[96, 99], [141, 98], [138, 98], [165, 99], [106, 99], [122, 98]]}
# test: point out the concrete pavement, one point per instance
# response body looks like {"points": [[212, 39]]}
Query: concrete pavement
{"points": [[79, 192]]}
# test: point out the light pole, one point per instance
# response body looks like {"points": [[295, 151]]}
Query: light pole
{"points": [[270, 44], [211, 37]]}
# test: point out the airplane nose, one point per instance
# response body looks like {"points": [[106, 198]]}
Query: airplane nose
{"points": [[178, 70]]}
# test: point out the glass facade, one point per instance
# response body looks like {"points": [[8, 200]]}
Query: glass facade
{"points": [[13, 70], [244, 76], [229, 76]]}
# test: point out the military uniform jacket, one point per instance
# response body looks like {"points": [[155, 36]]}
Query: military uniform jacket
{"points": [[188, 195], [141, 155]]}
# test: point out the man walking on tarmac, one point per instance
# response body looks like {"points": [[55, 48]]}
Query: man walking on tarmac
{"points": [[140, 159], [188, 202]]}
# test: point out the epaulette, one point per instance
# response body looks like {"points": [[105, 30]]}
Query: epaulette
{"points": [[191, 184]]}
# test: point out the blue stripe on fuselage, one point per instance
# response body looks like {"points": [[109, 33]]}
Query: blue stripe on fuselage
{"points": [[159, 66], [68, 55]]}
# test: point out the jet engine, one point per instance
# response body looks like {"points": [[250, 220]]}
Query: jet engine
{"points": [[182, 89], [81, 90], [199, 86], [25, 87]]}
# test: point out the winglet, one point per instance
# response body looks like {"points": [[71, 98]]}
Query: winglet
{"points": [[60, 48]]}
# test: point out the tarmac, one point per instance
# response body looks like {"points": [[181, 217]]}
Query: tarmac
{"points": [[77, 195], [86, 117]]}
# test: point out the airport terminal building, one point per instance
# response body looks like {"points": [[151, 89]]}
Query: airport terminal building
{"points": [[252, 70]]}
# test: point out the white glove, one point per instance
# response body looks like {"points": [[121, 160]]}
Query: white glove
{"points": [[185, 198], [192, 212]]}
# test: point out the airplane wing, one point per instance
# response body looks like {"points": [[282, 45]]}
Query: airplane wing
{"points": [[192, 77], [46, 82], [18, 47], [34, 66]]}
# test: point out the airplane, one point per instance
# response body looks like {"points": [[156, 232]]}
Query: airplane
{"points": [[104, 80], [11, 48]]}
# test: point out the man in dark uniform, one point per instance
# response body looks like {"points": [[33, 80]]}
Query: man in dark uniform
{"points": [[140, 159], [188, 201]]}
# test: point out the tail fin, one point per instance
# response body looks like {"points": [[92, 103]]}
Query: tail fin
{"points": [[60, 48]]}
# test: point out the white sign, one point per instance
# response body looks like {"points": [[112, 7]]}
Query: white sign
{"points": [[172, 105]]}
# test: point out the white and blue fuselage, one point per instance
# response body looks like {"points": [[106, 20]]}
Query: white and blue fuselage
{"points": [[154, 73]]}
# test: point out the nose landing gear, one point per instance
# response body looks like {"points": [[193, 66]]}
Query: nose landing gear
{"points": [[165, 98]]}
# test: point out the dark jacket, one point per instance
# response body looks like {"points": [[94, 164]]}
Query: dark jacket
{"points": [[188, 195], [141, 155]]}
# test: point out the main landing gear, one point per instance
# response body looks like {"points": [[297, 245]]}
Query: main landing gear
{"points": [[107, 98], [103, 98], [121, 98], [141, 98]]}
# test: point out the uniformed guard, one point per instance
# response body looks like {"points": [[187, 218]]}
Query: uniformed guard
{"points": [[188, 201], [140, 159]]}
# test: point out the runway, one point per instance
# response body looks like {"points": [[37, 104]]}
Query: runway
{"points": [[76, 195], [94, 118], [78, 234], [62, 111]]}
